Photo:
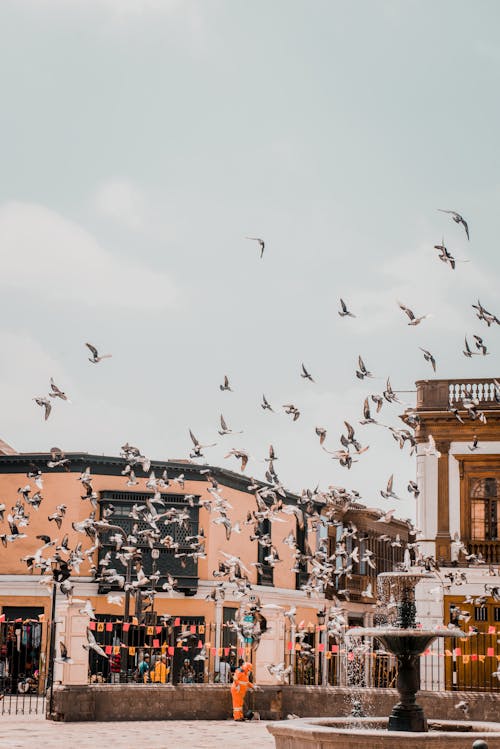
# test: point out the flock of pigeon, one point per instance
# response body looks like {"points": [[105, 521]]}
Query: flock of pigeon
{"points": [[56, 561]]}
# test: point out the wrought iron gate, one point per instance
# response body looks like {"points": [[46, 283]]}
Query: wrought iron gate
{"points": [[25, 666]]}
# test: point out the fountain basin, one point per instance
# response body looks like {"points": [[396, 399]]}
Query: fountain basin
{"points": [[372, 733]]}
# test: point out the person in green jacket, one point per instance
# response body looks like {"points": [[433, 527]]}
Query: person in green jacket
{"points": [[143, 669]]}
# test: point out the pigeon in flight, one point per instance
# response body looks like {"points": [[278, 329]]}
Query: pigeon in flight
{"points": [[266, 405], [411, 315], [46, 404], [96, 358], [197, 449], [224, 427], [480, 345], [362, 372], [458, 219], [483, 314], [92, 644], [321, 432], [305, 374], [344, 312], [64, 657], [445, 255], [292, 410], [225, 385], [261, 242], [57, 392], [467, 352], [429, 357]]}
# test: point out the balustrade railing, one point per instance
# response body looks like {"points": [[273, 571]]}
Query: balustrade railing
{"points": [[441, 394]]}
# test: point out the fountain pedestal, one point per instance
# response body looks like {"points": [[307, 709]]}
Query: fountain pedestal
{"points": [[407, 715]]}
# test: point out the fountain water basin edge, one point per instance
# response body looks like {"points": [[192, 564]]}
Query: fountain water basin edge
{"points": [[372, 733]]}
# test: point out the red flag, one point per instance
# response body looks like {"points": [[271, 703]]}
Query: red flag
{"points": [[91, 625], [177, 621], [490, 652], [109, 626], [171, 649], [156, 643], [108, 649], [126, 626]]}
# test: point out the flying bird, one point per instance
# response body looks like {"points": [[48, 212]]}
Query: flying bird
{"points": [[64, 657], [57, 392], [305, 374], [261, 242], [411, 315], [265, 405], [344, 312], [429, 357], [362, 372], [467, 352], [480, 345], [45, 404], [92, 644], [96, 358], [225, 385], [292, 410], [321, 432], [224, 427], [457, 218]]}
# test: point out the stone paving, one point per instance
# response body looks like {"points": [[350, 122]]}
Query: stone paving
{"points": [[21, 732]]}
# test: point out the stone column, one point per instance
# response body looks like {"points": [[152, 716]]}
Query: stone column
{"points": [[271, 647], [443, 539], [427, 501], [71, 628]]}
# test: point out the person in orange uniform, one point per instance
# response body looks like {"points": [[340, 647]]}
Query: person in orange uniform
{"points": [[241, 683]]}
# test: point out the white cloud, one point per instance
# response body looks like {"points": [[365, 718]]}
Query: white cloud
{"points": [[47, 254], [121, 200]]}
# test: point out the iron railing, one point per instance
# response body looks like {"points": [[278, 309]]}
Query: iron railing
{"points": [[128, 645], [451, 664]]}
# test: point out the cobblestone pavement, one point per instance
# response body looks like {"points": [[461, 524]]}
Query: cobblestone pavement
{"points": [[20, 732]]}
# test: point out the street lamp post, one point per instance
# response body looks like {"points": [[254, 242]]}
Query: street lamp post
{"points": [[155, 555], [321, 615]]}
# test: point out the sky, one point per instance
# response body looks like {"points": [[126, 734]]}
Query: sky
{"points": [[144, 140]]}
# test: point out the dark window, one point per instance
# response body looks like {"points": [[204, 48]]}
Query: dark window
{"points": [[301, 575], [496, 614], [265, 572], [171, 561], [229, 636]]}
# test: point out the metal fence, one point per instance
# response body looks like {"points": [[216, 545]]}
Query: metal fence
{"points": [[451, 664], [184, 650], [25, 670]]}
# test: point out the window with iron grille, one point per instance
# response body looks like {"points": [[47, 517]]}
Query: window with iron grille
{"points": [[496, 614], [265, 572], [302, 575], [171, 561], [480, 613]]}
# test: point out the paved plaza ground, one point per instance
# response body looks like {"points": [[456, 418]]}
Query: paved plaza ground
{"points": [[20, 732]]}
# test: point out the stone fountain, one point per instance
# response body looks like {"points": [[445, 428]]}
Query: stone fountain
{"points": [[403, 638]]}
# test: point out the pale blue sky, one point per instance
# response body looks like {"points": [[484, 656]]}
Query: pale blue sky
{"points": [[142, 140]]}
